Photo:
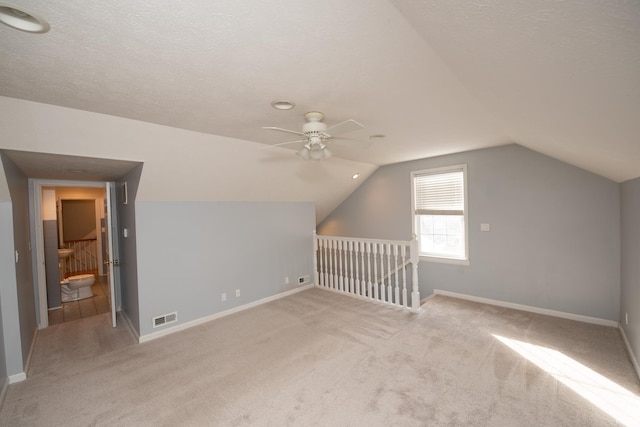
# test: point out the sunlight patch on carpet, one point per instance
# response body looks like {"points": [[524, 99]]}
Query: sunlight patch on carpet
{"points": [[611, 398]]}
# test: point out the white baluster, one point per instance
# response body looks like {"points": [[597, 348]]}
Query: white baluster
{"points": [[389, 294], [323, 263], [345, 273], [397, 289], [340, 267], [323, 244], [382, 289], [356, 250], [351, 274], [363, 284], [323, 256], [336, 271], [330, 255], [404, 276], [374, 250], [369, 270]]}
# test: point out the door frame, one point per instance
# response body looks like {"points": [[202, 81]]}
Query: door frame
{"points": [[40, 282]]}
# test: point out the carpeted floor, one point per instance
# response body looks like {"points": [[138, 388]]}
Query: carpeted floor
{"points": [[321, 359]]}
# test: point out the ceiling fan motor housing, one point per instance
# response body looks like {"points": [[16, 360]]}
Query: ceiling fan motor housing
{"points": [[314, 128]]}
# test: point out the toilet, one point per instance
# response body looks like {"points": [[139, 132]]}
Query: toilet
{"points": [[77, 287]]}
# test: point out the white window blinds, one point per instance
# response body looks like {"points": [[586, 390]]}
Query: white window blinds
{"points": [[440, 193]]}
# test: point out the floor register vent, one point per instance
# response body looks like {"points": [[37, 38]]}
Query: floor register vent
{"points": [[165, 319]]}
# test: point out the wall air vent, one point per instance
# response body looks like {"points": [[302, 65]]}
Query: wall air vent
{"points": [[165, 319]]}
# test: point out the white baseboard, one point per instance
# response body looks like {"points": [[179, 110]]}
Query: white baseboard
{"points": [[191, 324], [17, 378], [632, 356], [537, 310], [21, 376], [33, 344]]}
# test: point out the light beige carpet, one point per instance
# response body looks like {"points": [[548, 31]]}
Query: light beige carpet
{"points": [[319, 359]]}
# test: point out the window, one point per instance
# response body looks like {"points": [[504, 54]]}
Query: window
{"points": [[439, 212]]}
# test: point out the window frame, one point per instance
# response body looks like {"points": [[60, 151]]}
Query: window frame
{"points": [[434, 171]]}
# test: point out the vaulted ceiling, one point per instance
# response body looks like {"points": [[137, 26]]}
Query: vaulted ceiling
{"points": [[434, 77]]}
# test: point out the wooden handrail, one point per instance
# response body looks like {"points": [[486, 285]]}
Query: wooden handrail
{"points": [[81, 240]]}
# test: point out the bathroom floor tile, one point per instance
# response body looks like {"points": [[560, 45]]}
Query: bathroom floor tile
{"points": [[87, 308], [82, 309], [71, 311], [56, 316]]}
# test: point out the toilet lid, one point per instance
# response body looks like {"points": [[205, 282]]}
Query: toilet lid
{"points": [[80, 276]]}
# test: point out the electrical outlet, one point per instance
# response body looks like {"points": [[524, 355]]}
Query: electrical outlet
{"points": [[626, 318], [286, 280], [223, 297], [237, 293]]}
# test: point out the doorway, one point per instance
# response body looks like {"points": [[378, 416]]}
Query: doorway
{"points": [[73, 223]]}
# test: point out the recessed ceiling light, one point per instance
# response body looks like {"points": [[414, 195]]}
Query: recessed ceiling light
{"points": [[76, 170], [377, 136], [356, 175], [21, 20], [283, 105]]}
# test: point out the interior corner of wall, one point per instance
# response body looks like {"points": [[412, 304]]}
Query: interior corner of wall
{"points": [[5, 196]]}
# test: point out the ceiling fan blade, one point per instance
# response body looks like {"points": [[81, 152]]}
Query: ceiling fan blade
{"points": [[283, 130], [344, 127], [283, 143], [350, 142]]}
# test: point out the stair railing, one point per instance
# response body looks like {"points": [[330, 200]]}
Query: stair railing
{"points": [[84, 258], [369, 269]]}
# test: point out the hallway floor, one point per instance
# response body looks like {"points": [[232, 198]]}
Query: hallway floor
{"points": [[87, 307]]}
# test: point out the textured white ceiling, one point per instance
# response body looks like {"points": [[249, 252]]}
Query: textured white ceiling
{"points": [[561, 77], [436, 77]]}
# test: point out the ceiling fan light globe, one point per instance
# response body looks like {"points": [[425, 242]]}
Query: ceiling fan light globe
{"points": [[303, 153], [316, 156], [326, 153]]}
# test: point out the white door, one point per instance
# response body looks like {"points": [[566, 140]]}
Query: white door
{"points": [[111, 235]]}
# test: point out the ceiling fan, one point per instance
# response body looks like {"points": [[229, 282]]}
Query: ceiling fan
{"points": [[316, 135]]}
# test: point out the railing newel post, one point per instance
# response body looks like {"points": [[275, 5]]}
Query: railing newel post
{"points": [[316, 264], [415, 291]]}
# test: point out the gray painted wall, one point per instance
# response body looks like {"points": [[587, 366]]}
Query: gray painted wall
{"points": [[630, 290], [21, 316], [128, 254], [189, 253], [555, 229], [11, 353], [3, 360]]}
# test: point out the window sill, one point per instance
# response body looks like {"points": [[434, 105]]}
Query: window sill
{"points": [[444, 260]]}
